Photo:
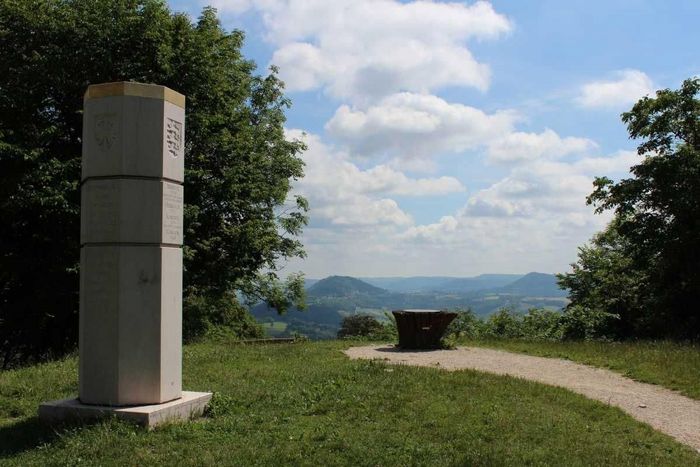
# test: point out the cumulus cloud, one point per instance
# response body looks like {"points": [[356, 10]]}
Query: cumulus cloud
{"points": [[617, 163], [520, 147], [625, 88], [342, 193], [535, 217], [412, 125], [364, 49], [384, 60], [543, 188], [540, 189]]}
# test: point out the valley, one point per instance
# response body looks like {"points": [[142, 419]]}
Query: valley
{"points": [[329, 300]]}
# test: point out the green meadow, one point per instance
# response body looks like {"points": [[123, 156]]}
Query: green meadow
{"points": [[308, 404]]}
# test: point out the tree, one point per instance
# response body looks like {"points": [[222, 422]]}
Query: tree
{"points": [[608, 296], [362, 326], [657, 223], [239, 221]]}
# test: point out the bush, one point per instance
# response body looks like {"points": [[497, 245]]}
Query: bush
{"points": [[542, 324], [536, 324], [580, 322], [364, 326], [205, 315], [466, 324]]}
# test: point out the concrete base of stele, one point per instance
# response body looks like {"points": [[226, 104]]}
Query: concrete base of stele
{"points": [[189, 406]]}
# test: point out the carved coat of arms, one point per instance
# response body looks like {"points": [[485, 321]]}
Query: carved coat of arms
{"points": [[173, 136], [106, 130]]}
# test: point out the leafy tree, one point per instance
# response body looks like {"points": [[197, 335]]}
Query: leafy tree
{"points": [[536, 324], [542, 324], [644, 267], [504, 323], [608, 295], [239, 222], [362, 326]]}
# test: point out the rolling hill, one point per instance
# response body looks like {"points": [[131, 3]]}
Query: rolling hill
{"points": [[343, 286], [482, 282], [408, 284], [332, 298], [535, 284], [442, 283]]}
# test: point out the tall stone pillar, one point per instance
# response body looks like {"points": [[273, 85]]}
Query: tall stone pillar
{"points": [[131, 247]]}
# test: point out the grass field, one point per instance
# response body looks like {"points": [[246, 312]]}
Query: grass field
{"points": [[668, 364], [274, 328], [307, 404]]}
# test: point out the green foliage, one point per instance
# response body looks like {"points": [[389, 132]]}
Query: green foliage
{"points": [[210, 315], [579, 323], [643, 268], [239, 166], [466, 324], [536, 324], [541, 324], [605, 289], [504, 323], [365, 326], [308, 404]]}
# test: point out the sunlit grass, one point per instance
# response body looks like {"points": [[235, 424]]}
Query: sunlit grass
{"points": [[675, 366], [307, 404]]}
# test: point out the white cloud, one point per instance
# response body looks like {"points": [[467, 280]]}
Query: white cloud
{"points": [[409, 125], [626, 88], [539, 190], [414, 127], [543, 189], [341, 193], [520, 147], [617, 163], [364, 49], [534, 218], [384, 60], [231, 6]]}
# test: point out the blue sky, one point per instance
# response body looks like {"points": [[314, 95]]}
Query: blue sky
{"points": [[460, 138]]}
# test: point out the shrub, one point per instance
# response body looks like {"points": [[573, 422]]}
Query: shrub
{"points": [[466, 324], [364, 326], [536, 324], [542, 324], [579, 322], [504, 323], [205, 315]]}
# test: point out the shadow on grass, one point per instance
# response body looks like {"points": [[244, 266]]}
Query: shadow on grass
{"points": [[31, 433], [25, 435]]}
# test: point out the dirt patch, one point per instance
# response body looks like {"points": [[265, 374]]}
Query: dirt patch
{"points": [[665, 410]]}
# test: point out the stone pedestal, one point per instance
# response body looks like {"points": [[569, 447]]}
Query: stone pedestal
{"points": [[131, 252], [190, 405]]}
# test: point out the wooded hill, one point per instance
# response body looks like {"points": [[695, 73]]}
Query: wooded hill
{"points": [[332, 298]]}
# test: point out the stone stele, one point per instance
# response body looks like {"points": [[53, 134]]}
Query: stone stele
{"points": [[131, 259]]}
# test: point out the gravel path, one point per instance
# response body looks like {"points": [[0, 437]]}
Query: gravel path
{"points": [[665, 410]]}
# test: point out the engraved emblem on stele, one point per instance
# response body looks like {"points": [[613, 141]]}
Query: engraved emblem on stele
{"points": [[173, 136], [106, 130]]}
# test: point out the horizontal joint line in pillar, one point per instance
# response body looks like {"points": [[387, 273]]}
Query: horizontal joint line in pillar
{"points": [[168, 245], [130, 177]]}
